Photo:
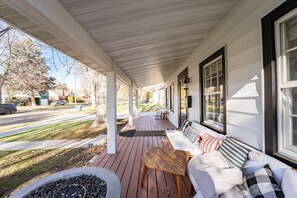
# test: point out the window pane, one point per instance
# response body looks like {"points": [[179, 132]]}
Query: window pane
{"points": [[213, 69], [291, 65], [207, 72], [213, 113], [214, 85], [291, 33], [290, 119], [221, 83]]}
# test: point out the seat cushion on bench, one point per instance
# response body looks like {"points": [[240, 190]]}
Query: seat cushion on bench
{"points": [[213, 174], [289, 183], [179, 141]]}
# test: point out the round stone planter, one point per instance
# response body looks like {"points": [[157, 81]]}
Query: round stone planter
{"points": [[111, 179]]}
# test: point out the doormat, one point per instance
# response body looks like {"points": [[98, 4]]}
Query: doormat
{"points": [[133, 133]]}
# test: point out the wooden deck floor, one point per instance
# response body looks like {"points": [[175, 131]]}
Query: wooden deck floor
{"points": [[147, 122], [127, 164]]}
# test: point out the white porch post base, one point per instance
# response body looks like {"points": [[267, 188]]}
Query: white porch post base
{"points": [[131, 104], [111, 113]]}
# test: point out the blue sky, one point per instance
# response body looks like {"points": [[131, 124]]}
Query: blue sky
{"points": [[62, 66]]}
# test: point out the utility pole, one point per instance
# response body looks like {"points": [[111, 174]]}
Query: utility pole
{"points": [[75, 86]]}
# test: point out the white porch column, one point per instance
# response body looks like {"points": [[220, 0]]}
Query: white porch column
{"points": [[131, 104], [136, 102], [111, 113]]}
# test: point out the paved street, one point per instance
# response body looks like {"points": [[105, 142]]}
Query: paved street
{"points": [[33, 116]]}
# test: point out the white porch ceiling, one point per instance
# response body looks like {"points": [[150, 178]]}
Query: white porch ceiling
{"points": [[148, 39]]}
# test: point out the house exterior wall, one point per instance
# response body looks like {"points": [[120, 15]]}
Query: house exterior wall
{"points": [[240, 33]]}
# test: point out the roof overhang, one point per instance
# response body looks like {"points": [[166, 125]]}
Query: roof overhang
{"points": [[144, 42]]}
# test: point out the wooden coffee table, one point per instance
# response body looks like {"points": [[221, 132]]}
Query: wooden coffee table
{"points": [[167, 160]]}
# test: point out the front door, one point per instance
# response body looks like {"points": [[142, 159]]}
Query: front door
{"points": [[183, 104], [182, 96]]}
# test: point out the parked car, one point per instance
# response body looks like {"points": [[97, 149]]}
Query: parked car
{"points": [[58, 102], [7, 108]]}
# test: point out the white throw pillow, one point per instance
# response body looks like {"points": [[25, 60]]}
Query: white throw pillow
{"points": [[214, 174], [289, 183]]}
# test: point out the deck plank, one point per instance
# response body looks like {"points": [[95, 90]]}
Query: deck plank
{"points": [[127, 163], [136, 174], [152, 180], [128, 172]]}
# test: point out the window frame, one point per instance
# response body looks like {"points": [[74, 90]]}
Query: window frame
{"points": [[171, 97], [282, 83], [166, 98], [270, 78], [214, 57]]}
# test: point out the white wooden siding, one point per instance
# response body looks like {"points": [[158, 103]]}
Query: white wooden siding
{"points": [[240, 32]]}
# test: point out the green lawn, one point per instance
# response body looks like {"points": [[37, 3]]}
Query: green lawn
{"points": [[149, 107], [124, 107], [61, 130], [14, 126], [18, 167]]}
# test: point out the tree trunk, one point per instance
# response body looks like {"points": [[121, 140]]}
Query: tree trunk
{"points": [[100, 114], [94, 95], [0, 95], [32, 98]]}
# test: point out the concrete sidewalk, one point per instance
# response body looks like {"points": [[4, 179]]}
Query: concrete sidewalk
{"points": [[53, 144]]}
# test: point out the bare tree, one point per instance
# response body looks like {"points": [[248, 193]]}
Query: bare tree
{"points": [[5, 52], [100, 101], [29, 69], [63, 87], [89, 78]]}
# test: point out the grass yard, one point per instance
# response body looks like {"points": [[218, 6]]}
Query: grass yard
{"points": [[149, 107], [79, 129], [23, 167], [14, 126], [122, 108], [57, 131]]}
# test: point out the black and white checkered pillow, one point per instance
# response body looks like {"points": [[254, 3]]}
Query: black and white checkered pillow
{"points": [[261, 184]]}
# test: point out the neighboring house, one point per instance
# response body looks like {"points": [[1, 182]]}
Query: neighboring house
{"points": [[58, 94], [54, 95], [42, 98], [23, 99]]}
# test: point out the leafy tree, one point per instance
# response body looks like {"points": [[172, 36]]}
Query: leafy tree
{"points": [[70, 99], [29, 69], [149, 95]]}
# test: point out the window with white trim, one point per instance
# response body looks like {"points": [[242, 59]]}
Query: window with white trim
{"points": [[213, 91], [286, 55], [171, 102]]}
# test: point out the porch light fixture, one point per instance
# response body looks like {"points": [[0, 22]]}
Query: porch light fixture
{"points": [[186, 83]]}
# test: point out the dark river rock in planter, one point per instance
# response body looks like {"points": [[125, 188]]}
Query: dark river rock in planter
{"points": [[82, 186]]}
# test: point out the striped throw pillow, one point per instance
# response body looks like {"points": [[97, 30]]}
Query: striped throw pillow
{"points": [[234, 152], [209, 143], [191, 134], [185, 124]]}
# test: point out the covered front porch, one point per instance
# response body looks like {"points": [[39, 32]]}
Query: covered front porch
{"points": [[128, 166]]}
